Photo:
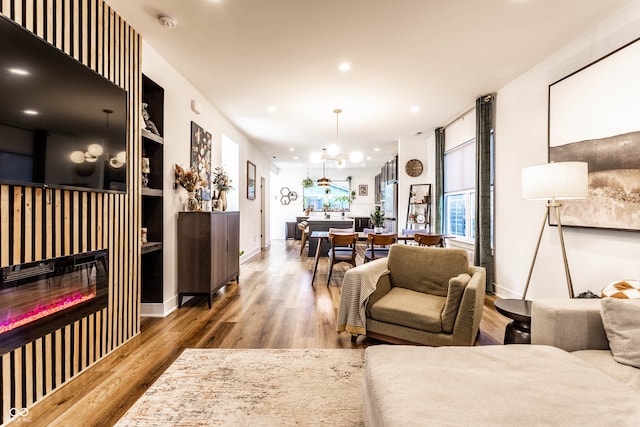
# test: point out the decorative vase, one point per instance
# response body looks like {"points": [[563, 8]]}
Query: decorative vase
{"points": [[192, 203], [378, 230], [223, 200]]}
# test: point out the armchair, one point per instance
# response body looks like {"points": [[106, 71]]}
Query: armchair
{"points": [[430, 296]]}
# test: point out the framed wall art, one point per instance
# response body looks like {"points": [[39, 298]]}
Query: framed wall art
{"points": [[594, 117], [201, 156], [251, 181], [363, 190]]}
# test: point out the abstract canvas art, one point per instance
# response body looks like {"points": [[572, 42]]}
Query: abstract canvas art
{"points": [[594, 117], [201, 156]]}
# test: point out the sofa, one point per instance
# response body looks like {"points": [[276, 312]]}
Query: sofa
{"points": [[568, 376]]}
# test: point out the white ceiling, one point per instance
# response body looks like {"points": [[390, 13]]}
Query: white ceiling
{"points": [[439, 55]]}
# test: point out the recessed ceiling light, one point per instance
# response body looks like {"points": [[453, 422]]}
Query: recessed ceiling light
{"points": [[31, 112], [344, 66], [271, 109], [414, 109], [369, 158], [291, 149], [18, 71], [363, 165], [295, 157], [376, 149]]}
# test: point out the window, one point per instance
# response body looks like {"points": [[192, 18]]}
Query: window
{"points": [[336, 196], [459, 191]]}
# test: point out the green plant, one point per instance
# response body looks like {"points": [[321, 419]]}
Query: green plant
{"points": [[377, 217], [307, 183], [342, 199]]}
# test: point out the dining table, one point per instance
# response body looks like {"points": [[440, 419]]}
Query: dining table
{"points": [[323, 236]]}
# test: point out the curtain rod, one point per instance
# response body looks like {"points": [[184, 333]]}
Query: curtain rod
{"points": [[465, 112]]}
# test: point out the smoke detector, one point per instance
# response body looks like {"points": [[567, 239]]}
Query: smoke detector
{"points": [[168, 21]]}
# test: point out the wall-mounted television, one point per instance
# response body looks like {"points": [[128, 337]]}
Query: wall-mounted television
{"points": [[61, 123]]}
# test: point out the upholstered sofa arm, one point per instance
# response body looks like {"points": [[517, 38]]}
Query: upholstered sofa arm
{"points": [[569, 324], [383, 287], [470, 311]]}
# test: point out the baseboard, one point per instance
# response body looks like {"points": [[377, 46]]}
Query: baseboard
{"points": [[248, 255], [158, 309], [505, 293]]}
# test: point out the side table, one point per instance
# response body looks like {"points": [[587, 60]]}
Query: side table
{"points": [[518, 331]]}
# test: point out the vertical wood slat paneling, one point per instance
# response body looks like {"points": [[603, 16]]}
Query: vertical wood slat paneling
{"points": [[38, 223], [4, 225]]}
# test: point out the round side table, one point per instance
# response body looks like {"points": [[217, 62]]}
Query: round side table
{"points": [[518, 331]]}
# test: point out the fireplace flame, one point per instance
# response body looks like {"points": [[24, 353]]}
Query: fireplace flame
{"points": [[40, 312]]}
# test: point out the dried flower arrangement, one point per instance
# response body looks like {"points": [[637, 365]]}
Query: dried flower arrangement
{"points": [[189, 179], [220, 179]]}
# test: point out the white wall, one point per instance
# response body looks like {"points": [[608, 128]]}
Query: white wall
{"points": [[596, 257], [178, 93], [423, 149], [292, 178]]}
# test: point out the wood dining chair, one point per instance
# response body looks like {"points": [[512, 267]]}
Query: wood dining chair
{"points": [[429, 239], [378, 245], [343, 249], [303, 226]]}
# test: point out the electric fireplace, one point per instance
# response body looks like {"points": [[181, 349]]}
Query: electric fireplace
{"points": [[36, 298]]}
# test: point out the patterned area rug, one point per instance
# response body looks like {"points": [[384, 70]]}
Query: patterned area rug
{"points": [[207, 387]]}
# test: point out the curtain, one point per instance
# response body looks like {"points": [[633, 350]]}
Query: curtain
{"points": [[438, 193], [484, 179]]}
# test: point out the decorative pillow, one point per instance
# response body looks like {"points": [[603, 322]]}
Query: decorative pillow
{"points": [[621, 320], [625, 289], [454, 296]]}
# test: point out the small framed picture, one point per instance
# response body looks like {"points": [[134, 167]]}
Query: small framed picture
{"points": [[251, 181], [363, 190]]}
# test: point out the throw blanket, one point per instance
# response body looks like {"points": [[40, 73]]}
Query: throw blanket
{"points": [[358, 284]]}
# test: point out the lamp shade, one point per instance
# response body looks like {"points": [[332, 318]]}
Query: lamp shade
{"points": [[561, 180]]}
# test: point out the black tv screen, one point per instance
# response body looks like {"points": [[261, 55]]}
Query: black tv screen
{"points": [[61, 123]]}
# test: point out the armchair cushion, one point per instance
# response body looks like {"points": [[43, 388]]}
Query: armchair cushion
{"points": [[414, 268], [454, 296], [409, 308]]}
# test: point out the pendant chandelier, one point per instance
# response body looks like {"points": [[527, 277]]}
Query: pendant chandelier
{"points": [[324, 181], [332, 153]]}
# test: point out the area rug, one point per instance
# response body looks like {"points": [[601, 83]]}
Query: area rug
{"points": [[209, 387]]}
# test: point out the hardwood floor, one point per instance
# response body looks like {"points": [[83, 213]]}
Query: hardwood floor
{"points": [[273, 306]]}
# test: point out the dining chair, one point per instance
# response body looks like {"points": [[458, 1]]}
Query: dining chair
{"points": [[410, 232], [379, 246], [343, 249], [303, 226], [341, 230], [429, 239]]}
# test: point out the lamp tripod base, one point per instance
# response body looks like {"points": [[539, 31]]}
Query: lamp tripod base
{"points": [[556, 206]]}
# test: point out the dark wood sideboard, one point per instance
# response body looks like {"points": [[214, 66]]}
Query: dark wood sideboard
{"points": [[208, 252]]}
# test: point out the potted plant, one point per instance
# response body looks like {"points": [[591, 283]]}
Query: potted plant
{"points": [[307, 182], [377, 219]]}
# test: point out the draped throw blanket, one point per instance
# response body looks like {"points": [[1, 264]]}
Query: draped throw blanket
{"points": [[357, 286]]}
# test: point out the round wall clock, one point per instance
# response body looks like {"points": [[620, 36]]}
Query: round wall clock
{"points": [[420, 218], [413, 167]]}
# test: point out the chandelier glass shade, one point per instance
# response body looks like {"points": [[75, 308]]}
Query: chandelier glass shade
{"points": [[333, 151]]}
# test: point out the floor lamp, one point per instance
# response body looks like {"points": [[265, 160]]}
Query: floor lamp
{"points": [[553, 182]]}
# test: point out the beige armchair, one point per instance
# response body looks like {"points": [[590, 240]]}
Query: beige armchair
{"points": [[431, 296]]}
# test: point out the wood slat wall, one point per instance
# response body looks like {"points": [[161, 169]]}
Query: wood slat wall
{"points": [[38, 223]]}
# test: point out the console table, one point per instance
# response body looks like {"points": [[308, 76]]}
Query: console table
{"points": [[208, 252]]}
